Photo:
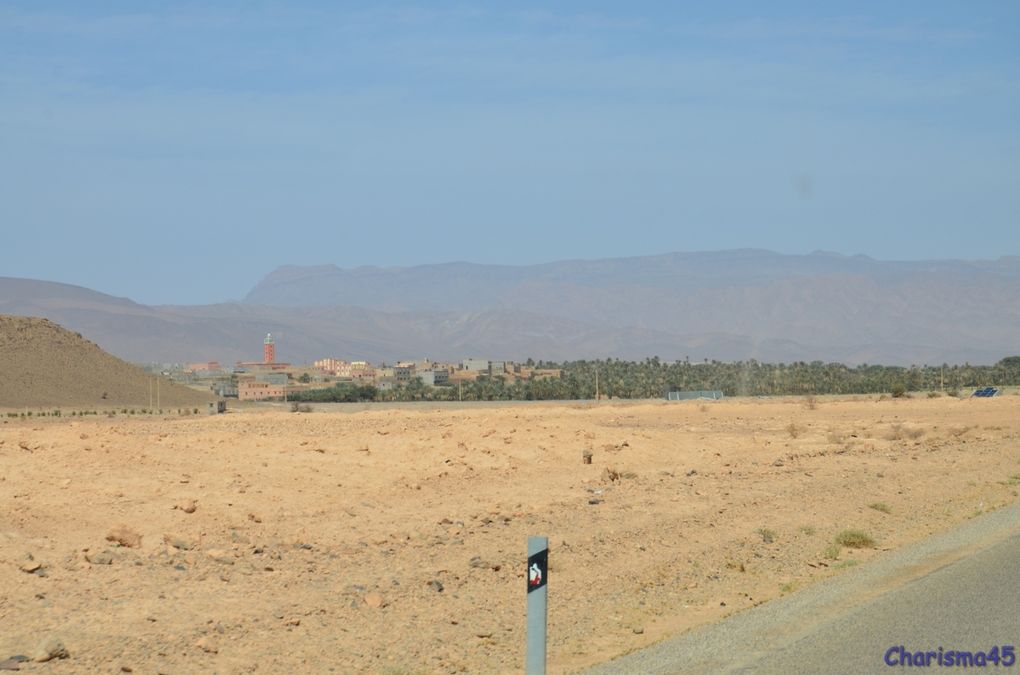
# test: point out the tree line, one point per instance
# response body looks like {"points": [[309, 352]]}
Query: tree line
{"points": [[652, 378]]}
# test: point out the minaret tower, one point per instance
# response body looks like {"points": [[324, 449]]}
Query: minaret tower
{"points": [[269, 349]]}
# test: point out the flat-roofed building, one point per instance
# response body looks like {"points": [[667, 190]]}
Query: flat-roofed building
{"points": [[256, 390]]}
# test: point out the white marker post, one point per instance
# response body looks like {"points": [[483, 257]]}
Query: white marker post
{"points": [[538, 577]]}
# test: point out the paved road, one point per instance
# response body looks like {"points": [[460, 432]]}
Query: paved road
{"points": [[958, 591]]}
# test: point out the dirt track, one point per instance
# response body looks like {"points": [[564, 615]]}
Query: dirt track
{"points": [[392, 541]]}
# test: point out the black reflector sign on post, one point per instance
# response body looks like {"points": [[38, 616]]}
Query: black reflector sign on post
{"points": [[538, 577]]}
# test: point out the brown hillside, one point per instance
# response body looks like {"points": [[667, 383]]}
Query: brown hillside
{"points": [[42, 364]]}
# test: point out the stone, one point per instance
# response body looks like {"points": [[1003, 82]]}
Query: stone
{"points": [[436, 585], [374, 600], [188, 505], [104, 557], [29, 564], [207, 645], [13, 662], [125, 536], [50, 648], [221, 556], [180, 543]]}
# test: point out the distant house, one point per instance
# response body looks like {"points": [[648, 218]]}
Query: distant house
{"points": [[204, 366], [436, 377], [477, 365], [403, 372], [257, 390]]}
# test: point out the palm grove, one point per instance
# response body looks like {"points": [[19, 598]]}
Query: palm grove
{"points": [[652, 377]]}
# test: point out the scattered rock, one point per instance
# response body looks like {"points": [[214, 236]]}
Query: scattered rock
{"points": [[586, 457], [255, 518], [484, 634], [207, 645], [13, 663], [436, 585], [610, 474], [638, 630], [374, 600], [104, 557], [49, 649], [180, 543], [188, 506], [29, 564], [478, 563], [125, 536], [778, 462], [221, 556], [293, 621]]}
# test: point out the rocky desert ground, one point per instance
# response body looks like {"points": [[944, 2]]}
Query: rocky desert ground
{"points": [[393, 540]]}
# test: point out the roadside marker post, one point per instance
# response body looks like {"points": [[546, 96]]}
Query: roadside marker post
{"points": [[538, 577]]}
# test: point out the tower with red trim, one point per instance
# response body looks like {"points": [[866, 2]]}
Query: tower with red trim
{"points": [[269, 349]]}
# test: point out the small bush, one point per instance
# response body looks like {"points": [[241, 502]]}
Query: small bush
{"points": [[792, 430], [810, 402], [832, 551], [880, 506], [898, 390], [855, 539], [808, 530], [768, 536], [933, 394]]}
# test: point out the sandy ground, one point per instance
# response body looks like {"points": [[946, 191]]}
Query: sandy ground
{"points": [[393, 541]]}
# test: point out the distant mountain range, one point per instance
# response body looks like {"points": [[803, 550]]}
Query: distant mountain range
{"points": [[721, 305]]}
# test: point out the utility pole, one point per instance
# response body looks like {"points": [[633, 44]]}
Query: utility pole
{"points": [[157, 392], [150, 393], [596, 385]]}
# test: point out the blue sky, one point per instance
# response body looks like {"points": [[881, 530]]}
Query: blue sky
{"points": [[177, 152]]}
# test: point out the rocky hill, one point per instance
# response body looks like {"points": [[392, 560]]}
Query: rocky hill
{"points": [[43, 365]]}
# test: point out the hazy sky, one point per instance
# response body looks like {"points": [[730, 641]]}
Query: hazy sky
{"points": [[177, 152]]}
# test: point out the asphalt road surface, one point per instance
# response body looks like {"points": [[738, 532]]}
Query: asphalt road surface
{"points": [[958, 592]]}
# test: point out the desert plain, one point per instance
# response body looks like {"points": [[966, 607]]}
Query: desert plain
{"points": [[392, 540]]}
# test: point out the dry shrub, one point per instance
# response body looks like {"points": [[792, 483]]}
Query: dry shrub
{"points": [[957, 432], [899, 432], [855, 539], [793, 430], [810, 402]]}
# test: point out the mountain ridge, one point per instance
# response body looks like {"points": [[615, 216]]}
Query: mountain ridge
{"points": [[725, 305]]}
